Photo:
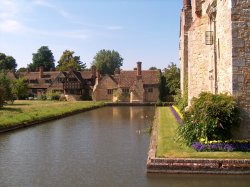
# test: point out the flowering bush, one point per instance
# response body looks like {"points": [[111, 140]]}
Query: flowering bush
{"points": [[229, 146], [210, 116]]}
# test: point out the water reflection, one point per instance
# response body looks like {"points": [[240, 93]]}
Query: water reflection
{"points": [[96, 148]]}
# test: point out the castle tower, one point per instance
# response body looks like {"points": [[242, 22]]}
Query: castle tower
{"points": [[186, 21]]}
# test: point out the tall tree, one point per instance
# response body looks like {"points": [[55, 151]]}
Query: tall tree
{"points": [[107, 61], [153, 68], [7, 62], [19, 88], [68, 60], [172, 74], [44, 57], [5, 84], [163, 89]]}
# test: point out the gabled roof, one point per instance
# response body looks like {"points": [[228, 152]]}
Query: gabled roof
{"points": [[36, 75], [127, 78], [86, 74], [80, 75]]}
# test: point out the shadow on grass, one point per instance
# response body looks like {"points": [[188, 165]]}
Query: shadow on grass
{"points": [[11, 109]]}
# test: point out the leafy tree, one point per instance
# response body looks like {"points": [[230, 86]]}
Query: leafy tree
{"points": [[107, 61], [19, 88], [7, 62], [163, 89], [172, 74], [44, 57], [153, 68], [68, 60], [5, 83], [1, 97], [22, 69]]}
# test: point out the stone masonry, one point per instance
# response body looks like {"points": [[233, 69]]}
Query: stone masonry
{"points": [[215, 51]]}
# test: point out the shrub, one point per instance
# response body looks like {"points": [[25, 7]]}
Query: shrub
{"points": [[1, 97], [210, 117], [62, 98], [42, 97], [54, 96]]}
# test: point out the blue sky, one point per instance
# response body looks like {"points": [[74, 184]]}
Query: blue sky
{"points": [[140, 30]]}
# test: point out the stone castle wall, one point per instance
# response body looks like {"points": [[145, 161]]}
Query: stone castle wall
{"points": [[241, 59], [230, 52], [201, 57]]}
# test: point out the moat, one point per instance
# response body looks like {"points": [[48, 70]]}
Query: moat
{"points": [[103, 147]]}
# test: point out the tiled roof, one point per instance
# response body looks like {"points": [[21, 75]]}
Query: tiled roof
{"points": [[41, 82], [87, 74], [149, 77]]}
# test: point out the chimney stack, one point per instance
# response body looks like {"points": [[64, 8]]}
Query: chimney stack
{"points": [[139, 68], [41, 72]]}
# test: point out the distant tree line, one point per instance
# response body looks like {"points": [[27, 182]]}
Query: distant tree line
{"points": [[106, 61]]}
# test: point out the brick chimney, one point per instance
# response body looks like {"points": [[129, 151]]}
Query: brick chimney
{"points": [[139, 68], [93, 70], [41, 72]]}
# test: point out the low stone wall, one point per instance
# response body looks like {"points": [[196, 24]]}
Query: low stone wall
{"points": [[191, 165]]}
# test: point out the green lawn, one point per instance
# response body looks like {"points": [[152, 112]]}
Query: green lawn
{"points": [[169, 148], [27, 111]]}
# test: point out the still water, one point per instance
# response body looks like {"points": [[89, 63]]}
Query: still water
{"points": [[105, 147]]}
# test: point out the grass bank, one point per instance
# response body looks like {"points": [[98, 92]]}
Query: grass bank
{"points": [[167, 146], [24, 112]]}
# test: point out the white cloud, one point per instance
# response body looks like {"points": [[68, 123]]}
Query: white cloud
{"points": [[64, 13], [11, 26], [8, 9], [114, 28], [43, 3], [60, 11]]}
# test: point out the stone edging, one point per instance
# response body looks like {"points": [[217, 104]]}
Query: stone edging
{"points": [[191, 165], [46, 119]]}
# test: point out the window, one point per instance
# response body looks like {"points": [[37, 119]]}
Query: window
{"points": [[33, 81], [125, 90], [47, 81], [150, 90], [110, 91], [61, 79]]}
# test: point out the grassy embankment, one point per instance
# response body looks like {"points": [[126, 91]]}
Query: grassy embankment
{"points": [[169, 148], [28, 111]]}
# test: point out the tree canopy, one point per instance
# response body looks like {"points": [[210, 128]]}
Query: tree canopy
{"points": [[44, 57], [7, 62], [5, 85], [153, 68], [107, 61], [172, 74], [19, 88], [68, 60]]}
